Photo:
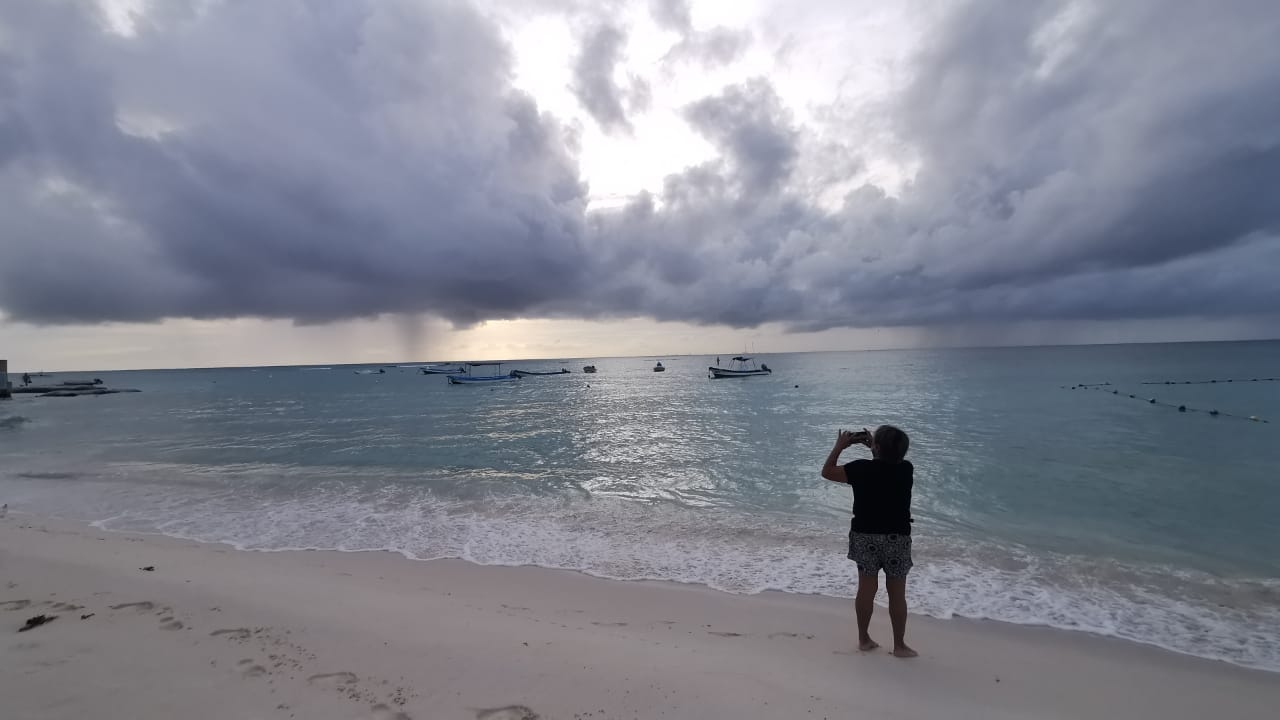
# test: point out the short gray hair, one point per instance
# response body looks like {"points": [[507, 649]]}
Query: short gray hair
{"points": [[891, 443]]}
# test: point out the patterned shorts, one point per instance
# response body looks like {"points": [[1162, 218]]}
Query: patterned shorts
{"points": [[873, 553]]}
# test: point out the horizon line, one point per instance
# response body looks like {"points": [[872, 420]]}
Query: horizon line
{"points": [[390, 363]]}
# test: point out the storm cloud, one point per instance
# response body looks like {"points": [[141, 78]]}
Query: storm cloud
{"points": [[305, 160], [319, 161]]}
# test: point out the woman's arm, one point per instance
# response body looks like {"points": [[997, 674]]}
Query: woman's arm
{"points": [[831, 469]]}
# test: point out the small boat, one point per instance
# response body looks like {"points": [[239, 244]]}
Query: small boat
{"points": [[739, 367], [526, 373], [379, 371], [441, 370], [471, 378], [659, 368], [589, 369]]}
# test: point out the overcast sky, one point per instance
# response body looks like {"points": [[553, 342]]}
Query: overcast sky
{"points": [[205, 182]]}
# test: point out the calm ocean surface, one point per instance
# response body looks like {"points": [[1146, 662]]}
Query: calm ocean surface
{"points": [[1034, 503]]}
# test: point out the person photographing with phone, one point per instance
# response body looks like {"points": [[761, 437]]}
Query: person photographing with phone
{"points": [[880, 532]]}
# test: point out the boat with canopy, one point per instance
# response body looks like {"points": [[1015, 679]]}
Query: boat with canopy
{"points": [[739, 366], [472, 378]]}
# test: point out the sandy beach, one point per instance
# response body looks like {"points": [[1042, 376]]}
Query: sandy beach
{"points": [[212, 632]]}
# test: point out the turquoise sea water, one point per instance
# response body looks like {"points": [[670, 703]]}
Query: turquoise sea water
{"points": [[1034, 503]]}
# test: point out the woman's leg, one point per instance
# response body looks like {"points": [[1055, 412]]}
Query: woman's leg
{"points": [[865, 604], [897, 589]]}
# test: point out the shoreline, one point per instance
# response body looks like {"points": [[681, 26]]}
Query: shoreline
{"points": [[218, 632], [881, 603]]}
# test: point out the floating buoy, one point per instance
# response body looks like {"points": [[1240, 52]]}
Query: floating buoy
{"points": [[1181, 408]]}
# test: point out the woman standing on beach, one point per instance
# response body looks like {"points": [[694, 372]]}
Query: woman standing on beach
{"points": [[880, 532]]}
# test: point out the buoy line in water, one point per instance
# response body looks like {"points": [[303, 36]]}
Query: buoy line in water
{"points": [[1111, 390], [1209, 382]]}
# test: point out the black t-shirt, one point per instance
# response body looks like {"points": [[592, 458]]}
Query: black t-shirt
{"points": [[881, 496]]}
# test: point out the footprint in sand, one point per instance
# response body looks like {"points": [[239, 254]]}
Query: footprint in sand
{"points": [[171, 624], [337, 679], [510, 712], [773, 636], [66, 606], [382, 712], [233, 633], [144, 606], [15, 604], [610, 624], [254, 671], [724, 634]]}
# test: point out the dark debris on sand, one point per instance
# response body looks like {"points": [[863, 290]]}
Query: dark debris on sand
{"points": [[37, 621]]}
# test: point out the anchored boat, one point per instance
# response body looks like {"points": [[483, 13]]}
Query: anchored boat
{"points": [[589, 369], [739, 367], [471, 378], [526, 373], [659, 368], [441, 370]]}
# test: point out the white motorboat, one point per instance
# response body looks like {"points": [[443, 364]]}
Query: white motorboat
{"points": [[739, 367]]}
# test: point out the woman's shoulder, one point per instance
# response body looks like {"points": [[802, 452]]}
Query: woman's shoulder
{"points": [[905, 464], [901, 467]]}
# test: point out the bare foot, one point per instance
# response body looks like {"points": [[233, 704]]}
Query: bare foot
{"points": [[903, 651], [868, 644]]}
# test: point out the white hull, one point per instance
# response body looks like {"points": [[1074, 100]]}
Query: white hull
{"points": [[464, 380], [723, 373]]}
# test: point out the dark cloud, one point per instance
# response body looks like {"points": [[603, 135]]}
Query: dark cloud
{"points": [[1067, 139], [1075, 162], [318, 160], [310, 160], [752, 129]]}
